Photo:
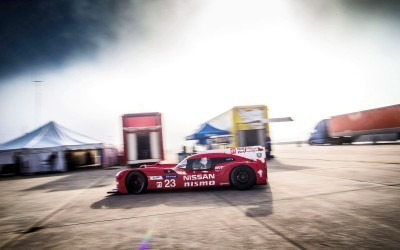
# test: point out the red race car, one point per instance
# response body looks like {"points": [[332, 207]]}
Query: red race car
{"points": [[240, 167]]}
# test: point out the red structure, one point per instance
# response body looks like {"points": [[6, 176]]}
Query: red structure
{"points": [[143, 139]]}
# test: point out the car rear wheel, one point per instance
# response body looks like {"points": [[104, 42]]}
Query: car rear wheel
{"points": [[243, 177], [136, 182]]}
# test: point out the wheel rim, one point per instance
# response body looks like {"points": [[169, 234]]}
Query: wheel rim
{"points": [[136, 183], [243, 177]]}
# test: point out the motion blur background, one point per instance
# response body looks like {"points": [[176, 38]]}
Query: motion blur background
{"points": [[84, 63]]}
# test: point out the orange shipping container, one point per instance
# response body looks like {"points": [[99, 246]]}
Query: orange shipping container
{"points": [[374, 121]]}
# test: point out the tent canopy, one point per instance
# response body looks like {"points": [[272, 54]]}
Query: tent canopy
{"points": [[51, 135], [205, 132]]}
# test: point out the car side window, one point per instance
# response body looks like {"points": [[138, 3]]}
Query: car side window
{"points": [[189, 164], [203, 163], [182, 164]]}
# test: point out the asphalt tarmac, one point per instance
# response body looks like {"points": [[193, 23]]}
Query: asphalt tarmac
{"points": [[331, 197]]}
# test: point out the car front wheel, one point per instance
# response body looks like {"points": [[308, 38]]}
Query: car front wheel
{"points": [[243, 177], [136, 182]]}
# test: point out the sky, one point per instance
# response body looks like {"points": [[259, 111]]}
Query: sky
{"points": [[85, 63]]}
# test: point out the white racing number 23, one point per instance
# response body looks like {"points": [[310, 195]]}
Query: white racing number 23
{"points": [[169, 183]]}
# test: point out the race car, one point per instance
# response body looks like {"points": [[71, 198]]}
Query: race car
{"points": [[241, 167]]}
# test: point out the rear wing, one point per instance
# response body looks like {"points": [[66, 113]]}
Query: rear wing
{"points": [[251, 152]]}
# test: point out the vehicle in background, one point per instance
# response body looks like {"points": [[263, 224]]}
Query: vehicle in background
{"points": [[380, 124], [241, 168], [142, 138]]}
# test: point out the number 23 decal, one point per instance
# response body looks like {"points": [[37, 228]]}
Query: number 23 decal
{"points": [[169, 183]]}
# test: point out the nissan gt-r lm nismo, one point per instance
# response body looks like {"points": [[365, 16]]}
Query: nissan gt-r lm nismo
{"points": [[241, 167]]}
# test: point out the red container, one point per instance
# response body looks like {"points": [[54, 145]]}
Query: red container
{"points": [[374, 121]]}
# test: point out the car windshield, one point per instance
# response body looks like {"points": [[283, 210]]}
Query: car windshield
{"points": [[182, 164]]}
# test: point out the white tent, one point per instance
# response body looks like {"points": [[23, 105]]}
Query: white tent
{"points": [[35, 147]]}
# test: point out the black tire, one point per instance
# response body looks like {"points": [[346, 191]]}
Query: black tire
{"points": [[243, 177], [136, 182]]}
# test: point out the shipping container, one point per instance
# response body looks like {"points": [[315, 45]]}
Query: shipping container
{"points": [[380, 124]]}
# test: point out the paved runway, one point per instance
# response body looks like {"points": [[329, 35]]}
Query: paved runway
{"points": [[341, 197]]}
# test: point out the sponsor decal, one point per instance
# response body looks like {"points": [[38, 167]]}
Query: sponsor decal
{"points": [[194, 177], [199, 183], [259, 155], [224, 183], [156, 178], [242, 150], [233, 151], [199, 180], [260, 172], [159, 184], [170, 176]]}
